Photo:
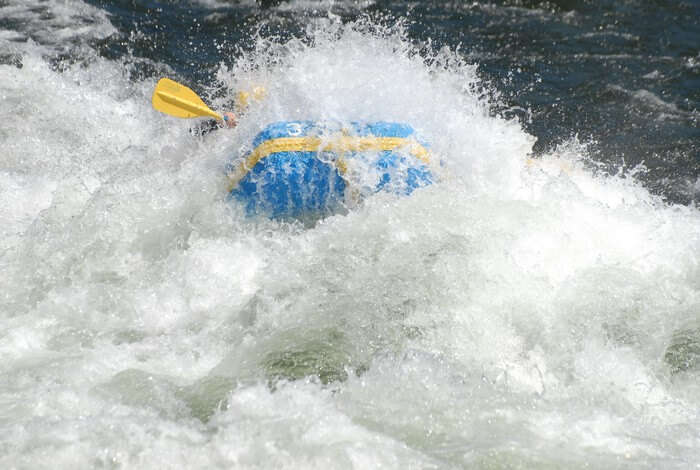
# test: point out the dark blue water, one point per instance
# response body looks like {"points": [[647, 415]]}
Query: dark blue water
{"points": [[623, 76]]}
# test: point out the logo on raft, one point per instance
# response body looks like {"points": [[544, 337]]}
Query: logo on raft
{"points": [[300, 168]]}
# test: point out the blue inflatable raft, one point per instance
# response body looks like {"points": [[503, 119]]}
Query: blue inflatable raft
{"points": [[299, 168]]}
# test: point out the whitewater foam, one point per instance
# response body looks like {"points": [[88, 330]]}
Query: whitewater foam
{"points": [[517, 312]]}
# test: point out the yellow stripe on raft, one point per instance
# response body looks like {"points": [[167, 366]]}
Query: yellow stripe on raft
{"points": [[338, 144]]}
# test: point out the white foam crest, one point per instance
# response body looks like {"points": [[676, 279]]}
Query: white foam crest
{"points": [[334, 79], [56, 25], [647, 98], [298, 426], [510, 306]]}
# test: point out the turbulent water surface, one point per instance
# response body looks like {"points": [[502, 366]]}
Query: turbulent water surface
{"points": [[537, 307]]}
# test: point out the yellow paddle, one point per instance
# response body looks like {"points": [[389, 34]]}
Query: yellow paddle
{"points": [[177, 100]]}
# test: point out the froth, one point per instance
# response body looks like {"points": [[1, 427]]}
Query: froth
{"points": [[513, 305]]}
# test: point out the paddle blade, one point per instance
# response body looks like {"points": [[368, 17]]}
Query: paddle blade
{"points": [[177, 100]]}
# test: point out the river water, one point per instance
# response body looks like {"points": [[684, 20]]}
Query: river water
{"points": [[538, 306]]}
